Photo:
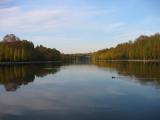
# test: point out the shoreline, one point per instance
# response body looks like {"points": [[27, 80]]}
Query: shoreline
{"points": [[28, 62], [43, 62], [128, 60]]}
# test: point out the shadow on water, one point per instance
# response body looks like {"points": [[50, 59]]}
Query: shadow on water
{"points": [[14, 76], [144, 72], [80, 92]]}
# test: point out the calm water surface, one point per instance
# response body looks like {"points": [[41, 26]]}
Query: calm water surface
{"points": [[103, 91]]}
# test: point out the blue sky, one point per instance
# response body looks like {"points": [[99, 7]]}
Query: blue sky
{"points": [[76, 26]]}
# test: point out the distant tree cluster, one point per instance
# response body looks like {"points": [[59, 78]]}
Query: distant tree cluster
{"points": [[144, 47], [14, 49], [44, 53], [75, 57]]}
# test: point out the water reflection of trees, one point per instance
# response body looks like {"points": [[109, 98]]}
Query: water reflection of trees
{"points": [[145, 72], [13, 76]]}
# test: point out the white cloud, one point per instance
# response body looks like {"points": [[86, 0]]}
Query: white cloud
{"points": [[36, 24], [7, 12], [25, 21], [4, 1], [16, 19]]}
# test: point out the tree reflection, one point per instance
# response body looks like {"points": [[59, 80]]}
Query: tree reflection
{"points": [[145, 72], [14, 76]]}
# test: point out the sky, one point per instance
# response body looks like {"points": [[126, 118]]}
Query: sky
{"points": [[79, 26]]}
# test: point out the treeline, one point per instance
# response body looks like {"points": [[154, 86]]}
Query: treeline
{"points": [[75, 58], [13, 49], [143, 48]]}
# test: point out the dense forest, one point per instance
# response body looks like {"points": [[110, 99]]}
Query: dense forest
{"points": [[143, 48], [12, 49], [16, 50]]}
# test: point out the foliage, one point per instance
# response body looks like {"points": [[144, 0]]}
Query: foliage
{"points": [[75, 57], [144, 47], [14, 49]]}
